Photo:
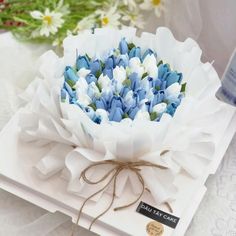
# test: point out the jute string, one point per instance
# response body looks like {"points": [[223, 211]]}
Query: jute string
{"points": [[111, 177]]}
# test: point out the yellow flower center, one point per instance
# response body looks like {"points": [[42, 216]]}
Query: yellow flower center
{"points": [[47, 20], [156, 2], [105, 20]]}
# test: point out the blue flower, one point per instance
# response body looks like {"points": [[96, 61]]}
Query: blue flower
{"points": [[135, 52], [95, 66], [70, 76], [123, 85], [123, 46], [82, 62]]}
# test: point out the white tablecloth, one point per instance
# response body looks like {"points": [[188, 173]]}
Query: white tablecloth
{"points": [[212, 23]]}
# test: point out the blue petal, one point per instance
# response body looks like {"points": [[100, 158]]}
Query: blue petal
{"points": [[69, 90], [101, 103], [124, 91], [141, 93], [95, 66], [110, 62], [147, 52], [135, 81], [162, 70], [171, 108], [116, 114], [82, 62], [91, 78], [116, 102], [132, 112], [123, 46], [135, 52], [70, 76], [172, 78], [108, 72]]}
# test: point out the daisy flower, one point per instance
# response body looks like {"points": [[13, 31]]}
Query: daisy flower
{"points": [[51, 22], [109, 18], [131, 4], [157, 5], [135, 20], [86, 23]]}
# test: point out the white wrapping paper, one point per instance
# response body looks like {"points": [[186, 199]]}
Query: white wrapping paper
{"points": [[78, 142]]}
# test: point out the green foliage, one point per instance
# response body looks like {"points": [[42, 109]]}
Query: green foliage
{"points": [[15, 16]]}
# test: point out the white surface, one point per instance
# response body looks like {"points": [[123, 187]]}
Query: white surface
{"points": [[217, 213], [17, 176]]}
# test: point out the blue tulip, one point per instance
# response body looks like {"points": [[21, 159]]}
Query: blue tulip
{"points": [[116, 101], [162, 70], [141, 94], [123, 46], [171, 108], [122, 60], [101, 103], [82, 62], [135, 81], [116, 114], [110, 62], [159, 97], [69, 89], [172, 77], [70, 76], [124, 91], [91, 78], [95, 66], [147, 52], [132, 112], [135, 52], [108, 72]]}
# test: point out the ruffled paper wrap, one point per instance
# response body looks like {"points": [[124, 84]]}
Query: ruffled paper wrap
{"points": [[184, 142]]}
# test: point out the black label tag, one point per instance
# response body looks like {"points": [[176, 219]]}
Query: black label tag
{"points": [[158, 215]]}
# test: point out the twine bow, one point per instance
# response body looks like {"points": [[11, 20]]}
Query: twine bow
{"points": [[119, 166]]}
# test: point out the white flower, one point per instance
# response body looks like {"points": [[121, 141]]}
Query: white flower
{"points": [[150, 65], [83, 72], [135, 20], [129, 100], [142, 115], [109, 18], [51, 22], [159, 108], [119, 74], [86, 23], [93, 90], [104, 82], [173, 90], [131, 4], [136, 66], [157, 5]]}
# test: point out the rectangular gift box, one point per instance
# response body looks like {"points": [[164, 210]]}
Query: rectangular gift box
{"points": [[17, 176]]}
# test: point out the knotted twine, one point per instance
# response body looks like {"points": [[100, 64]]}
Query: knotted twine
{"points": [[119, 166]]}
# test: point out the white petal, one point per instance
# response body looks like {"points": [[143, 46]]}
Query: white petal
{"points": [[36, 15], [160, 108], [142, 115], [173, 90], [83, 72]]}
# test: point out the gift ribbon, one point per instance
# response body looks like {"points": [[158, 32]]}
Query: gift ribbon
{"points": [[119, 166]]}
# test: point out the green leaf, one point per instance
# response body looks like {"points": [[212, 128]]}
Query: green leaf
{"points": [[93, 106], [125, 116], [153, 116], [160, 63], [130, 46], [144, 75], [157, 88], [99, 87], [183, 88], [127, 82], [98, 73]]}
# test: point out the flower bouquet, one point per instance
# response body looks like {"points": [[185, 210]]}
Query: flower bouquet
{"points": [[123, 118]]}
